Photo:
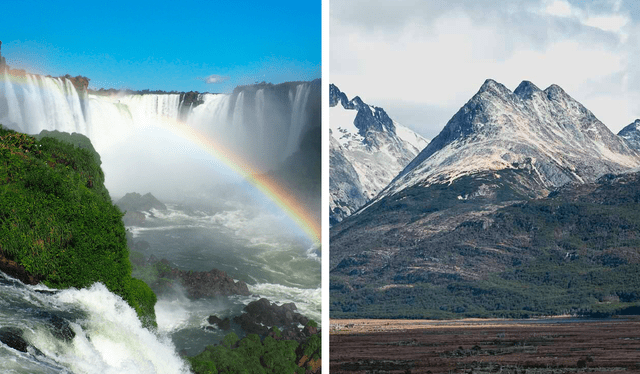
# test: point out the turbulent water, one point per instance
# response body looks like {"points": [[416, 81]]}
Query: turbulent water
{"points": [[249, 244], [242, 233], [108, 335]]}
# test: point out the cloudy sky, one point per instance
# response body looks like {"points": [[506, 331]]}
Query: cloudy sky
{"points": [[165, 45], [423, 60]]}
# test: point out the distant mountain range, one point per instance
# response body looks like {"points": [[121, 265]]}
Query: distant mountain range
{"points": [[367, 150], [518, 207]]}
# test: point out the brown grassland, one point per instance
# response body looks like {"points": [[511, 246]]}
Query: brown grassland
{"points": [[554, 345]]}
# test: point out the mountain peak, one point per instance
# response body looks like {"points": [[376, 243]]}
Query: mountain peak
{"points": [[526, 90], [631, 133], [555, 92], [634, 124], [367, 150], [490, 85], [336, 96]]}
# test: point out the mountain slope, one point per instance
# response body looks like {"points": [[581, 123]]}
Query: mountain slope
{"points": [[367, 149], [473, 216], [576, 251]]}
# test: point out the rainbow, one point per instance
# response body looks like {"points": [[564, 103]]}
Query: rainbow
{"points": [[269, 187]]}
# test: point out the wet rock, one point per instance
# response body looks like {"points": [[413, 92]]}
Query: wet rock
{"points": [[133, 201], [142, 245], [262, 316], [223, 324], [18, 271], [12, 337], [60, 327], [199, 284], [134, 218]]}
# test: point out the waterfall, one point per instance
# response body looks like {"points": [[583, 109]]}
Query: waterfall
{"points": [[298, 118], [263, 123], [36, 103], [13, 108]]}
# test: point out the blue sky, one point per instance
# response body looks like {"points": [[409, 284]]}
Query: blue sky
{"points": [[162, 45]]}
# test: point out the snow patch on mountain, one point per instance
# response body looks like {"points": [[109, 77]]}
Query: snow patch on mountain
{"points": [[367, 150]]}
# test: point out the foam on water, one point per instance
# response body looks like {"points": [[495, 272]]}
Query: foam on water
{"points": [[111, 339]]}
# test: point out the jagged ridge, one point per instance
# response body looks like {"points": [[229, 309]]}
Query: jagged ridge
{"points": [[367, 150], [546, 131]]}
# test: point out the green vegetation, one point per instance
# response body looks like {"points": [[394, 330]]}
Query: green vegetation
{"points": [[58, 222], [536, 290], [79, 140], [252, 356]]}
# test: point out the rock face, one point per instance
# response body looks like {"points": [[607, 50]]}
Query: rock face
{"points": [[17, 271], [79, 82], [367, 149], [188, 101], [631, 133], [458, 213], [135, 202]]}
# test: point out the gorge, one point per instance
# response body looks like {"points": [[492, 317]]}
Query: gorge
{"points": [[230, 168]]}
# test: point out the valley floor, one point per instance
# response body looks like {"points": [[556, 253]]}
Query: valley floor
{"points": [[553, 345]]}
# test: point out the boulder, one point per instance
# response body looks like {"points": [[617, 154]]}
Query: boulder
{"points": [[223, 324], [199, 284], [12, 337], [263, 317]]}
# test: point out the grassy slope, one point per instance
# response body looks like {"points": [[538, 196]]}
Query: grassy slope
{"points": [[57, 219]]}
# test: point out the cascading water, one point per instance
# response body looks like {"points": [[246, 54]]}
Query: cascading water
{"points": [[78, 331], [210, 228], [42, 103]]}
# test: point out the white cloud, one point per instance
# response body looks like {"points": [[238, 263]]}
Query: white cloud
{"points": [[559, 8], [214, 78], [439, 57], [614, 23]]}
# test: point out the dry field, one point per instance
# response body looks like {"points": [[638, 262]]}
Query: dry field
{"points": [[555, 345]]}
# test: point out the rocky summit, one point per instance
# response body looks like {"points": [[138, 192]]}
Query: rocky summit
{"points": [[631, 133], [367, 149], [519, 207]]}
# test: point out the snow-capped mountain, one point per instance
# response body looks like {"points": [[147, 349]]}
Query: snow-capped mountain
{"points": [[631, 133], [368, 149], [546, 132]]}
